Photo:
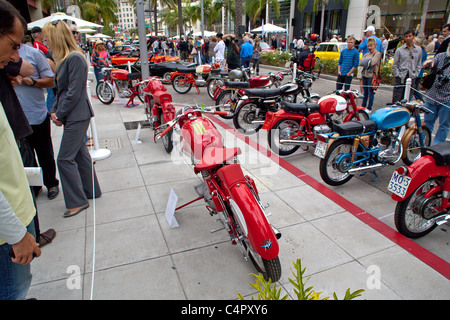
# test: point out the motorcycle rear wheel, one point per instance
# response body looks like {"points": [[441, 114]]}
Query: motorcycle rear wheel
{"points": [[412, 146], [329, 170], [409, 219], [283, 129], [167, 139], [104, 92], [244, 116], [224, 103], [180, 84]]}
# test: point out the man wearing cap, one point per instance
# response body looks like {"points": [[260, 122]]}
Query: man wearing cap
{"points": [[370, 33], [38, 37]]}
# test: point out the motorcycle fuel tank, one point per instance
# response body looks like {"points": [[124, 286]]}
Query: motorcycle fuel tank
{"points": [[332, 104], [153, 86], [390, 117], [199, 133], [119, 74], [260, 81]]}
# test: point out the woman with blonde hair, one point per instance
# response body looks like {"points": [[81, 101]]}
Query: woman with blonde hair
{"points": [[371, 63], [72, 110]]}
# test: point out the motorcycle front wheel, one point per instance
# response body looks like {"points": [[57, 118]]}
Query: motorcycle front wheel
{"points": [[181, 85], [413, 146], [283, 130], [211, 86], [270, 269], [167, 139], [333, 173], [104, 92], [224, 102], [411, 214], [245, 116]]}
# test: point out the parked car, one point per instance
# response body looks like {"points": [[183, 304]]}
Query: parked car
{"points": [[120, 49], [329, 50], [160, 69], [125, 56], [265, 47]]}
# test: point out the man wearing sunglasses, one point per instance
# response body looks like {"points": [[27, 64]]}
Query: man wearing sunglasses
{"points": [[407, 64], [17, 211]]}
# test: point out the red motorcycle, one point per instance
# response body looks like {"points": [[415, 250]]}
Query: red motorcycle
{"points": [[129, 85], [159, 109], [422, 191], [298, 125], [185, 77], [228, 193]]}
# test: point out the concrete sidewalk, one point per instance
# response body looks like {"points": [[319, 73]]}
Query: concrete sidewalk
{"points": [[138, 256]]}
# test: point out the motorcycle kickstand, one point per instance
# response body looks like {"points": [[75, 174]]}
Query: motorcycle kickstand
{"points": [[372, 172]]}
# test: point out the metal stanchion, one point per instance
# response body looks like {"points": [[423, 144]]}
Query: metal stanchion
{"points": [[407, 89], [96, 153]]}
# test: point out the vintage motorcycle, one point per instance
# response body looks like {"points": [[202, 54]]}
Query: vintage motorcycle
{"points": [[357, 147], [185, 77], [297, 125], [227, 96], [229, 194], [159, 109], [129, 85], [422, 192]]}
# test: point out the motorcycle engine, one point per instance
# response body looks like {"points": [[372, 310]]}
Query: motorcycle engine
{"points": [[122, 88], [390, 147], [321, 128]]}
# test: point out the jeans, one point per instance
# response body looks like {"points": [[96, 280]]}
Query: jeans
{"points": [[15, 278], [98, 74], [256, 65], [343, 79], [369, 94], [443, 113], [245, 61]]}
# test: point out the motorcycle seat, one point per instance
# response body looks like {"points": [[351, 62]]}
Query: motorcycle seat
{"points": [[213, 156], [215, 71], [223, 73], [237, 84], [440, 152], [134, 76], [355, 127], [263, 93], [185, 70], [303, 108]]}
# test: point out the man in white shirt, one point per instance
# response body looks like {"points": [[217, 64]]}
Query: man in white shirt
{"points": [[219, 51]]}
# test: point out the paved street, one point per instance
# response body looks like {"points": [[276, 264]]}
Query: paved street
{"points": [[341, 233]]}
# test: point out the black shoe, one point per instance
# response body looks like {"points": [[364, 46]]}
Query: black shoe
{"points": [[53, 192]]}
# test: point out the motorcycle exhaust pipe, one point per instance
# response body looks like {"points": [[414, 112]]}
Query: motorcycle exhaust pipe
{"points": [[276, 231], [366, 168], [297, 142], [258, 121]]}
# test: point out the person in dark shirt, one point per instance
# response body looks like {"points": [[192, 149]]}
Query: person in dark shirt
{"points": [[233, 52]]}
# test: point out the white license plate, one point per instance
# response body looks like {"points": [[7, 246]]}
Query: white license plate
{"points": [[399, 184], [321, 149]]}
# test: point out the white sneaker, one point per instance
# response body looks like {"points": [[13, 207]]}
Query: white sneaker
{"points": [[368, 111]]}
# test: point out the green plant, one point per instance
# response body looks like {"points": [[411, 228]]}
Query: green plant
{"points": [[269, 291], [276, 57], [386, 72], [329, 65]]}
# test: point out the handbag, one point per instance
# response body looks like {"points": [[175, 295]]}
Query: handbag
{"points": [[376, 80], [428, 81]]}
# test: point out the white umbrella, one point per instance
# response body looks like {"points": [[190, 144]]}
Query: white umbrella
{"points": [[99, 36], [62, 16], [86, 30], [269, 28], [207, 33]]}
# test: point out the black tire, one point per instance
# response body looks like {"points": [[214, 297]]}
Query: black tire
{"points": [[283, 129], [166, 76], [104, 92], [140, 89], [224, 103], [211, 86], [244, 116], [408, 221], [412, 146], [179, 86], [362, 116], [271, 269], [327, 165], [167, 139]]}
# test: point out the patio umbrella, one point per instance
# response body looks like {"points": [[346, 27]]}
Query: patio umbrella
{"points": [[62, 16], [99, 36], [207, 33], [86, 30], [269, 28]]}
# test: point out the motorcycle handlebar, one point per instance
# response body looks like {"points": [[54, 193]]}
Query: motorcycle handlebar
{"points": [[162, 134]]}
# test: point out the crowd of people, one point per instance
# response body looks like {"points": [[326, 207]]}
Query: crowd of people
{"points": [[54, 59]]}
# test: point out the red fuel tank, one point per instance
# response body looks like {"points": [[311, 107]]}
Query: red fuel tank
{"points": [[119, 74]]}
